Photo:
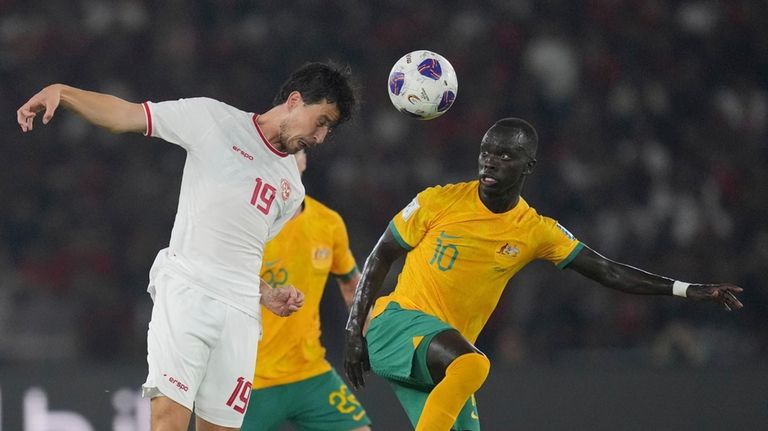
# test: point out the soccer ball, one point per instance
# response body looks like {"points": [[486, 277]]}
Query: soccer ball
{"points": [[423, 85]]}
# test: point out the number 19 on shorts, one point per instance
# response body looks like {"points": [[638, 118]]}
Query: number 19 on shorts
{"points": [[239, 398]]}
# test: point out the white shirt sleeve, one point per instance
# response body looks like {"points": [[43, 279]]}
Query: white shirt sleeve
{"points": [[185, 122]]}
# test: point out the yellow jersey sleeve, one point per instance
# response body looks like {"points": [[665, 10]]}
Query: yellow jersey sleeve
{"points": [[557, 245], [411, 224]]}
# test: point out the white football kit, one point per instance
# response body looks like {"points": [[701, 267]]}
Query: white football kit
{"points": [[237, 192]]}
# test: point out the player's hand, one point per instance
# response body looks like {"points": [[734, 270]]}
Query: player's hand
{"points": [[282, 301], [46, 101], [356, 362], [724, 294]]}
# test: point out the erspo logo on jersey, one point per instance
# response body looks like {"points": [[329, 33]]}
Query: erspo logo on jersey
{"points": [[242, 152], [285, 189]]}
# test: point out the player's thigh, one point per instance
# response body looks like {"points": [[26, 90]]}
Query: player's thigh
{"points": [[397, 341], [203, 425], [443, 349], [167, 413], [268, 408], [327, 404], [225, 390], [184, 324], [334, 405]]}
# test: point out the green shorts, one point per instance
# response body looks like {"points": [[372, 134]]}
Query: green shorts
{"points": [[320, 403], [397, 348]]}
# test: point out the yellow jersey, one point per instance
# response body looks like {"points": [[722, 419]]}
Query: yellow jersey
{"points": [[311, 246], [461, 255]]}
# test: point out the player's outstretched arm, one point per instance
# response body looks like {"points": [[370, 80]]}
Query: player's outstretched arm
{"points": [[103, 110], [629, 279], [283, 301], [386, 251], [348, 287]]}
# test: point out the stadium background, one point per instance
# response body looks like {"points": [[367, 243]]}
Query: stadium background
{"points": [[653, 119]]}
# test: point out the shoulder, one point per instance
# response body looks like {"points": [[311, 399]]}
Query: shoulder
{"points": [[448, 192], [203, 104], [217, 105], [450, 189], [526, 208], [527, 212], [441, 199], [535, 217]]}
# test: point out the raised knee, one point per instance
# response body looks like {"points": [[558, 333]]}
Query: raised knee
{"points": [[472, 369], [480, 366]]}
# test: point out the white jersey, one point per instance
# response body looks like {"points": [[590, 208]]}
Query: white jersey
{"points": [[237, 192]]}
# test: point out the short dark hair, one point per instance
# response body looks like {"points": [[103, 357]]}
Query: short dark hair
{"points": [[518, 123], [322, 81], [519, 130]]}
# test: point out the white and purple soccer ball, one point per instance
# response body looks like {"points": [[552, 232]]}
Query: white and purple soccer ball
{"points": [[422, 84]]}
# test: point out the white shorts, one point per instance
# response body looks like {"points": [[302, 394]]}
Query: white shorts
{"points": [[201, 352]]}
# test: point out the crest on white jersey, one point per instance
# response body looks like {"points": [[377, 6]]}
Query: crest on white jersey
{"points": [[285, 189], [410, 208]]}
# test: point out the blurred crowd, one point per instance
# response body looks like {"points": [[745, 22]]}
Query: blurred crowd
{"points": [[652, 115]]}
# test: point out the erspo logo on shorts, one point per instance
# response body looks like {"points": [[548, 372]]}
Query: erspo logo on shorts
{"points": [[174, 381]]}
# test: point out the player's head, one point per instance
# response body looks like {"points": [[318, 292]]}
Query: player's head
{"points": [[319, 97], [319, 82], [507, 154]]}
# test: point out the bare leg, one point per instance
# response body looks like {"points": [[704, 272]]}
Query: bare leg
{"points": [[204, 425], [444, 349], [168, 415]]}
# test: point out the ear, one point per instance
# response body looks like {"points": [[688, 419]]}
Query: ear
{"points": [[529, 167], [294, 99]]}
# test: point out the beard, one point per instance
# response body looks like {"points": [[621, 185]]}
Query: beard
{"points": [[282, 136], [284, 139]]}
